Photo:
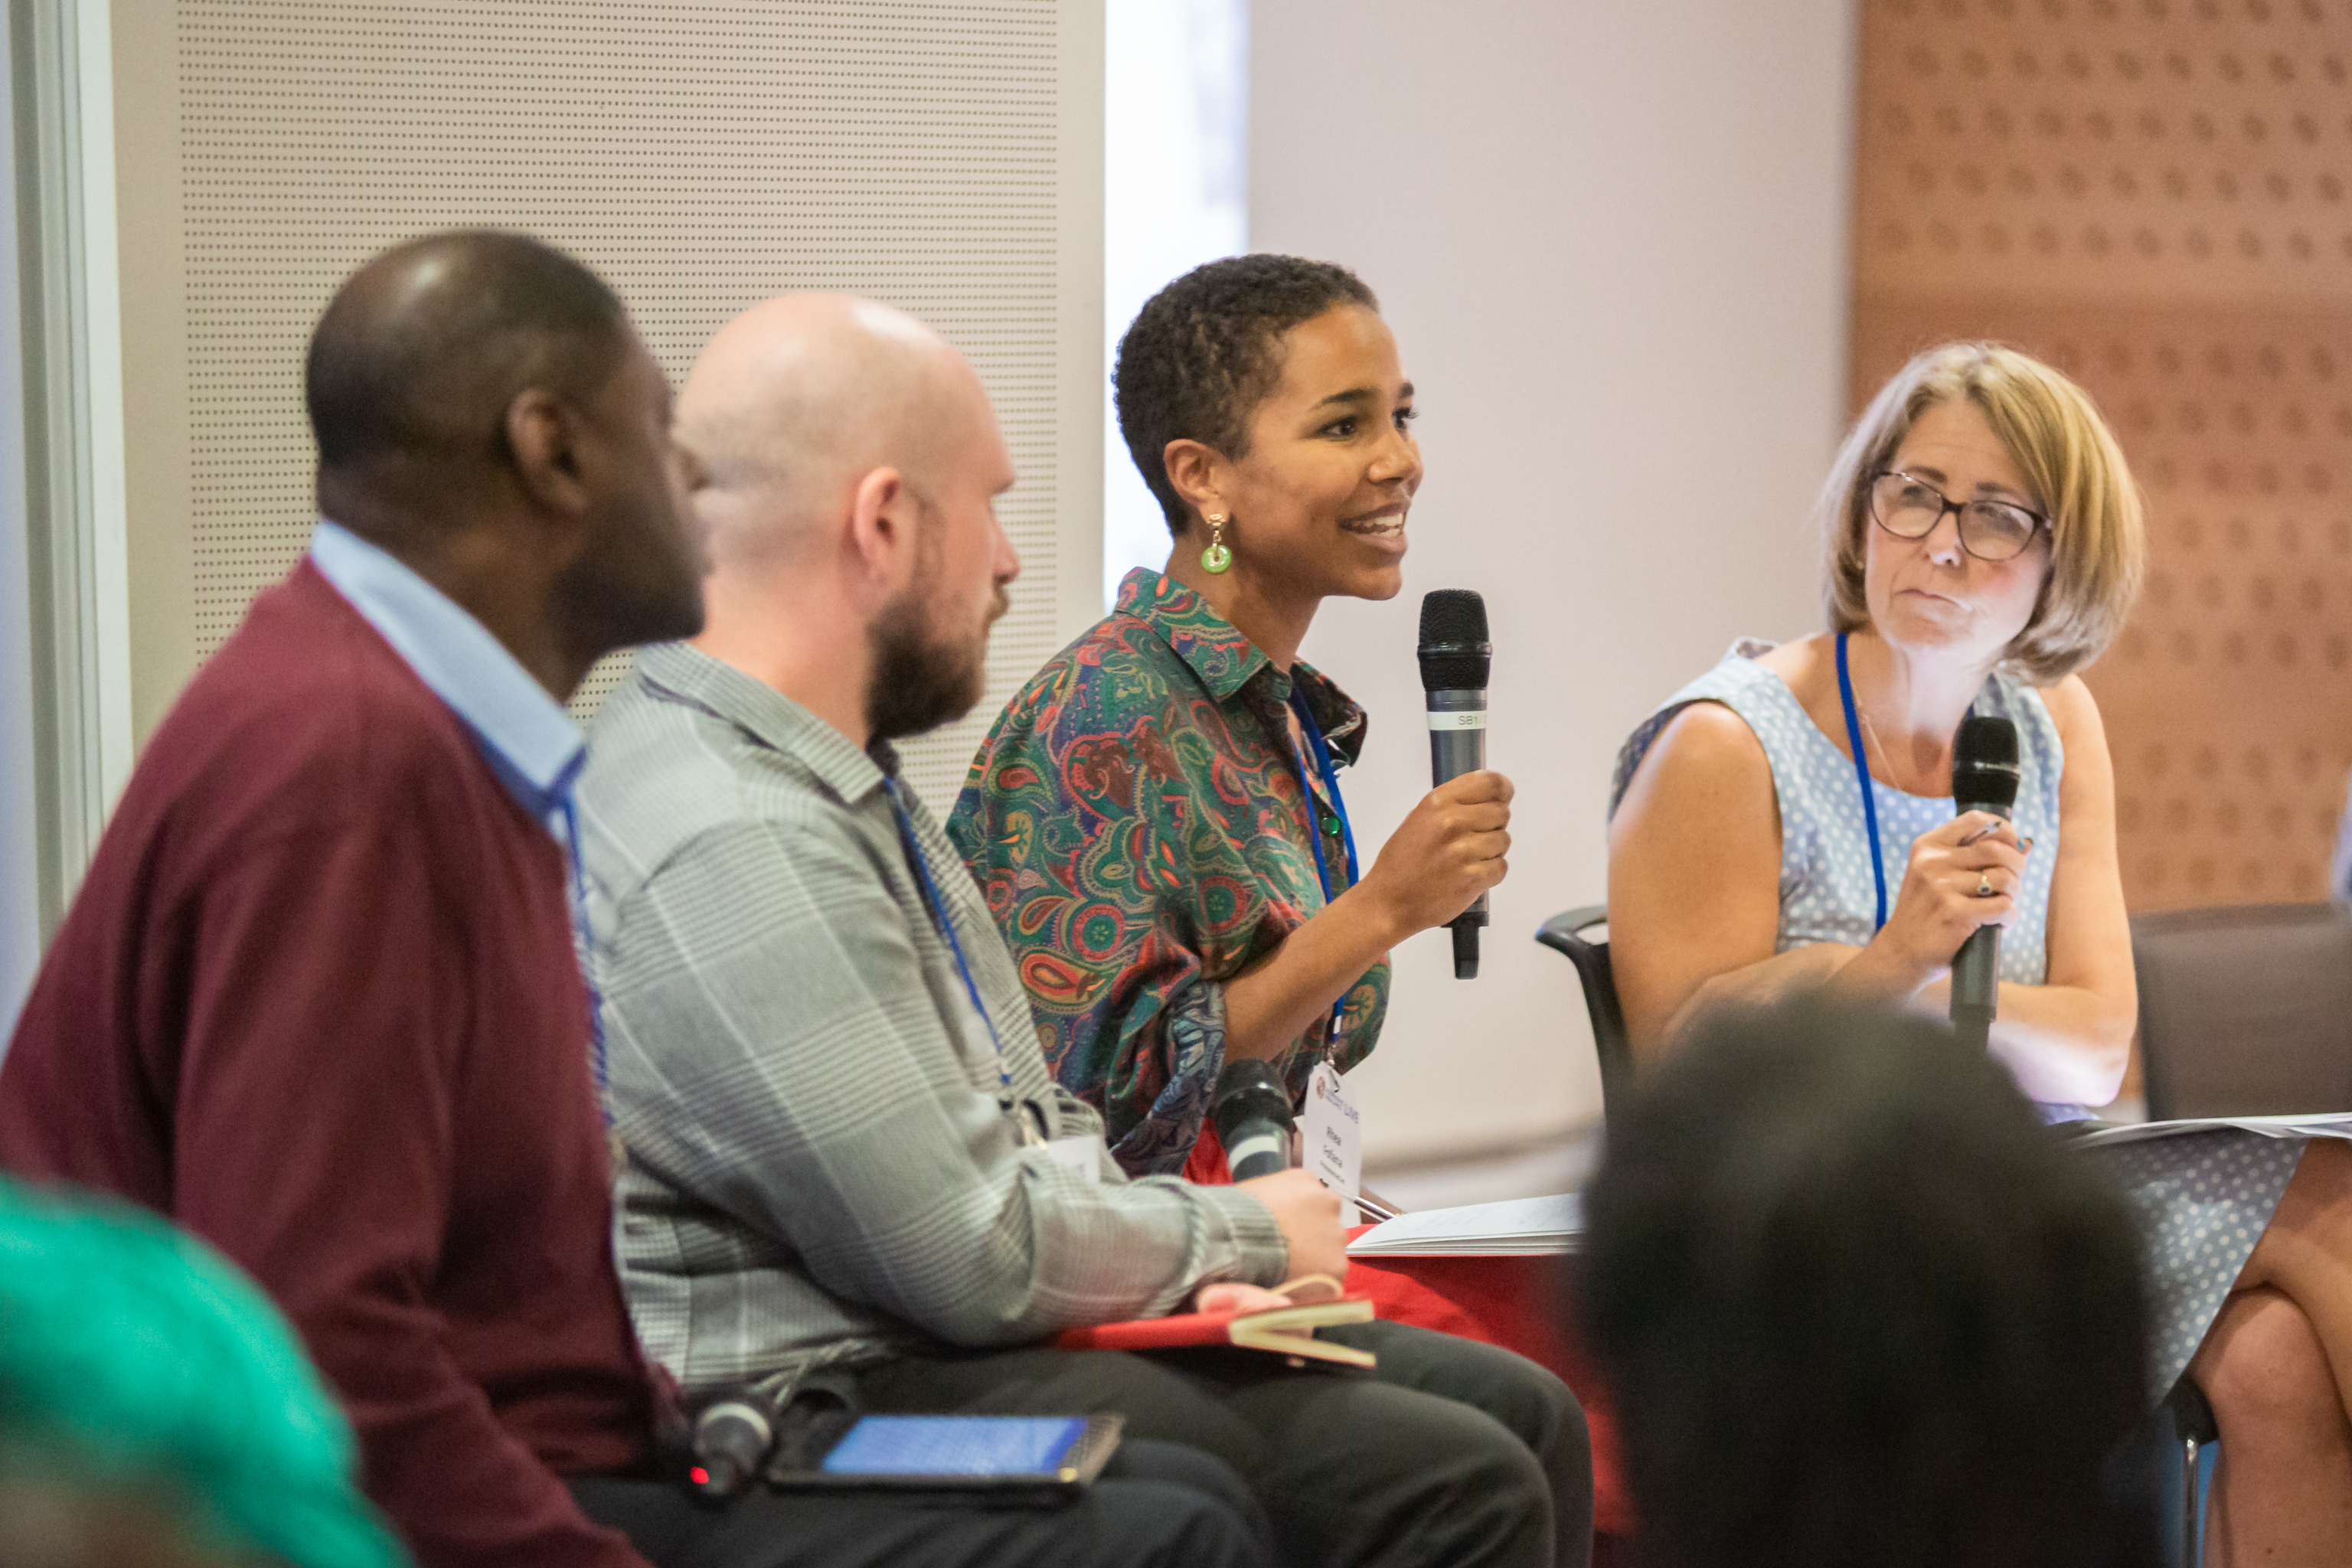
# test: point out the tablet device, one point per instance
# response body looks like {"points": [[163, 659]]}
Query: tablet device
{"points": [[1035, 1454]]}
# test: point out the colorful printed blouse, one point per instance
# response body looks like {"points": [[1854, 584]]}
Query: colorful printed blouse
{"points": [[1135, 821]]}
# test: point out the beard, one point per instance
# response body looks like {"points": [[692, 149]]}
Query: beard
{"points": [[921, 680]]}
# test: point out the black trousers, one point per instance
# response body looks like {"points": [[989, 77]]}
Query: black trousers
{"points": [[1452, 1454], [1156, 1505]]}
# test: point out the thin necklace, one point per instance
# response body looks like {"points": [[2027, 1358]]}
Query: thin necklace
{"points": [[1870, 739], [1870, 734]]}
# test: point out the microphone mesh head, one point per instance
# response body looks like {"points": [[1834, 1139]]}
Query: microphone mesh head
{"points": [[1248, 1090], [1454, 653], [1985, 768]]}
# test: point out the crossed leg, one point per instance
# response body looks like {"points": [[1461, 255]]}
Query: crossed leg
{"points": [[2277, 1368]]}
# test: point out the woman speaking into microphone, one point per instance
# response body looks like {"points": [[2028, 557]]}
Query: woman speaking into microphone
{"points": [[1157, 819], [1786, 820]]}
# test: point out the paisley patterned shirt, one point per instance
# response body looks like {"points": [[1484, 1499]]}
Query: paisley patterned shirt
{"points": [[1135, 822]]}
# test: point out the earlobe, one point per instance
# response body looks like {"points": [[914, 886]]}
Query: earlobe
{"points": [[542, 441], [880, 523], [1194, 472]]}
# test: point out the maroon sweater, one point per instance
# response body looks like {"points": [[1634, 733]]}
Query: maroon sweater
{"points": [[317, 1002]]}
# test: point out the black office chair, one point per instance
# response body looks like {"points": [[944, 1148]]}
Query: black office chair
{"points": [[2245, 1011], [2192, 1428], [1565, 934], [2185, 1410]]}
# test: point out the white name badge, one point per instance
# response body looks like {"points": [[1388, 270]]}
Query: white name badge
{"points": [[1464, 719], [1081, 1156], [1333, 1134]]}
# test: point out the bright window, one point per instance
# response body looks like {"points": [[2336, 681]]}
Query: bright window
{"points": [[1176, 194]]}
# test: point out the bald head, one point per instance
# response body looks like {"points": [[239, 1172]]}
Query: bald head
{"points": [[798, 398], [422, 351]]}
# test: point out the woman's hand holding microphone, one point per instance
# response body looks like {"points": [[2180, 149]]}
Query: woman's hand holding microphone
{"points": [[1446, 852], [1963, 875]]}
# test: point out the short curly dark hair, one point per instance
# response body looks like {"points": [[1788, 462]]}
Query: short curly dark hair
{"points": [[1203, 352]]}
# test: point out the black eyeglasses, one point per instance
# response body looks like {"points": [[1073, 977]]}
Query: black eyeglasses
{"points": [[1990, 530]]}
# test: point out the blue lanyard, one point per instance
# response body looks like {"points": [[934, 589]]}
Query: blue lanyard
{"points": [[946, 928], [1862, 771], [571, 809], [1314, 734]]}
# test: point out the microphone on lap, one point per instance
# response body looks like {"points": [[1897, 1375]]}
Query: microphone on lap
{"points": [[733, 1435], [1985, 773], [1455, 659], [1251, 1112]]}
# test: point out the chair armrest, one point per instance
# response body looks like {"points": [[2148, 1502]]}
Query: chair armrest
{"points": [[2192, 1417], [1564, 933]]}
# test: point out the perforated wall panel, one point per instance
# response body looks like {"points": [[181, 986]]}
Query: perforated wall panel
{"points": [[701, 156], [2154, 195]]}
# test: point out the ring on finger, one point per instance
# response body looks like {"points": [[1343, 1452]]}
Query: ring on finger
{"points": [[1984, 884]]}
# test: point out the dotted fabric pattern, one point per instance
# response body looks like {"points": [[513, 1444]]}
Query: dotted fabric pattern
{"points": [[2156, 196], [1827, 889], [2203, 1199], [700, 154]]}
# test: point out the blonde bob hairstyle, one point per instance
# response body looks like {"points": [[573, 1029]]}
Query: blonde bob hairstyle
{"points": [[2098, 536]]}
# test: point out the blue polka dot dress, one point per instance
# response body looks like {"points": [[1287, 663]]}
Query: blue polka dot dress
{"points": [[2203, 1198]]}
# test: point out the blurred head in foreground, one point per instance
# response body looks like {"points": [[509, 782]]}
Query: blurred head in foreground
{"points": [[1857, 1305], [155, 1408]]}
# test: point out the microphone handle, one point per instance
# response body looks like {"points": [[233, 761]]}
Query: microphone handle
{"points": [[1464, 928], [1457, 745], [1258, 1149], [1976, 968], [1976, 981], [1457, 735]]}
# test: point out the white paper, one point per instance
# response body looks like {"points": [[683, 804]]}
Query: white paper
{"points": [[2324, 1124], [1515, 1226]]}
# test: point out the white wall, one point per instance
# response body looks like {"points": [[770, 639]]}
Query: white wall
{"points": [[20, 927], [1612, 242], [945, 159]]}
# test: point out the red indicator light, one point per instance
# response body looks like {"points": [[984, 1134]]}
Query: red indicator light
{"points": [[698, 1476]]}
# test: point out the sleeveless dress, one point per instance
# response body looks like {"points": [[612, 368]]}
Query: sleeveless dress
{"points": [[2202, 1199]]}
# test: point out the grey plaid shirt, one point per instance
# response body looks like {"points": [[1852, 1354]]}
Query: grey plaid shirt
{"points": [[820, 1170]]}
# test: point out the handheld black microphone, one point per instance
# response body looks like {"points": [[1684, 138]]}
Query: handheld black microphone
{"points": [[1251, 1112], [733, 1435], [1984, 778], [1456, 658]]}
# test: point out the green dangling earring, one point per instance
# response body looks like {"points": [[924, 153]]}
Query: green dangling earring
{"points": [[1216, 560]]}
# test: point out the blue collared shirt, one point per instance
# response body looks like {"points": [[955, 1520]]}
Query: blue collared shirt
{"points": [[525, 735], [529, 740]]}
